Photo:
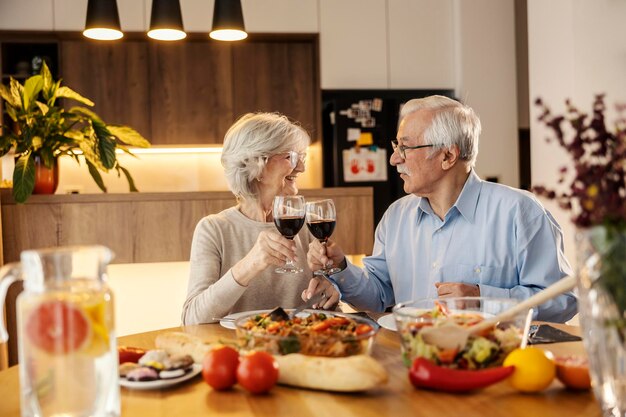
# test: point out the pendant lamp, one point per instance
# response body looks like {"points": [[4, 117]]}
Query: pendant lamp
{"points": [[166, 21], [228, 21], [103, 21]]}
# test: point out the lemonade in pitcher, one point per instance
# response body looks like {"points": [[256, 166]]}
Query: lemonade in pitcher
{"points": [[66, 339]]}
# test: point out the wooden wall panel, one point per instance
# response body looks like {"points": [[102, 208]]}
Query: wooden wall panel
{"points": [[192, 97], [278, 76], [153, 227], [114, 76]]}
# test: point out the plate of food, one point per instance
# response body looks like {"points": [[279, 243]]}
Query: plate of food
{"points": [[229, 320], [156, 369], [162, 383]]}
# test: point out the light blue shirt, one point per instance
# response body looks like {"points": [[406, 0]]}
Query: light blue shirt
{"points": [[498, 237]]}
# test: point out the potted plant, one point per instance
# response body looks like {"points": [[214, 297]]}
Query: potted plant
{"points": [[43, 130], [596, 196]]}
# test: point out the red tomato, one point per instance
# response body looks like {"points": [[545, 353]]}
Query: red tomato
{"points": [[363, 329], [219, 367], [57, 327], [257, 372], [129, 354]]}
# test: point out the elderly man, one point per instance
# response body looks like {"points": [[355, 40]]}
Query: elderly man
{"points": [[454, 234]]}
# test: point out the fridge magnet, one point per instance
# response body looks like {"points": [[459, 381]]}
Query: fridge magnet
{"points": [[364, 164], [369, 122], [353, 134], [365, 104], [365, 139], [377, 104]]}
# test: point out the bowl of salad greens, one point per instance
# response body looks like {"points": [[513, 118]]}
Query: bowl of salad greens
{"points": [[484, 350]]}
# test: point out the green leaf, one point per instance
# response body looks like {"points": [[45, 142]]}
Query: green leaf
{"points": [[17, 90], [67, 92], [53, 93], [11, 112], [5, 93], [81, 111], [48, 158], [44, 108], [96, 176], [106, 147], [90, 155], [32, 87], [131, 182], [129, 136], [23, 178], [48, 82]]}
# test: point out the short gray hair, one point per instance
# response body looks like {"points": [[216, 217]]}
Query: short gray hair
{"points": [[250, 141], [453, 123]]}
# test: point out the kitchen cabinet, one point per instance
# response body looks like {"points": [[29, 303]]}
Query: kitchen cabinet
{"points": [[392, 44], [192, 92], [152, 227], [114, 76], [263, 69]]}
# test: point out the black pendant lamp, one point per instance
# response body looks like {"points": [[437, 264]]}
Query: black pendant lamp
{"points": [[103, 21], [166, 21], [228, 21]]}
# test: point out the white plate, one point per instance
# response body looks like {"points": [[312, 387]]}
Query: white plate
{"points": [[161, 383], [229, 321], [388, 322]]}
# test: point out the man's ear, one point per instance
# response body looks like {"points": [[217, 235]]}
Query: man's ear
{"points": [[450, 157]]}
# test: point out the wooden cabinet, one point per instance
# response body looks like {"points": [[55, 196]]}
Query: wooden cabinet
{"points": [[153, 227], [114, 76], [189, 93], [192, 92], [278, 76]]}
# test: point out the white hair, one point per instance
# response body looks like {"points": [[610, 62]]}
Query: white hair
{"points": [[252, 139], [453, 123]]}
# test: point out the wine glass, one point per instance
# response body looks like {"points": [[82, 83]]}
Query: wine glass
{"points": [[321, 218], [288, 212]]}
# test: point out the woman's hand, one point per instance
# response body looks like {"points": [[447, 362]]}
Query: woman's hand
{"points": [[319, 254], [318, 285], [270, 248]]}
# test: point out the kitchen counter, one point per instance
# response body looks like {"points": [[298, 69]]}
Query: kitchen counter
{"points": [[152, 227]]}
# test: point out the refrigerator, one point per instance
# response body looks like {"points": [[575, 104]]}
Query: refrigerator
{"points": [[358, 126]]}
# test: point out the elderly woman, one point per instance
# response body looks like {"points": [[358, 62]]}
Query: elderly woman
{"points": [[234, 252]]}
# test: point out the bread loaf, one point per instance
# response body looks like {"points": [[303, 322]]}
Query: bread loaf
{"points": [[179, 343], [348, 374]]}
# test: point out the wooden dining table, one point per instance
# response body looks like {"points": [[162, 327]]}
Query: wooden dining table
{"points": [[396, 398]]}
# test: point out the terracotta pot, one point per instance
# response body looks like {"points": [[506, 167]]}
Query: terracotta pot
{"points": [[46, 179]]}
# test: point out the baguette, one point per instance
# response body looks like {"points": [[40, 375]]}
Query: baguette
{"points": [[179, 343], [348, 374]]}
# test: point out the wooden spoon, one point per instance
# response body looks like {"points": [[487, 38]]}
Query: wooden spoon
{"points": [[452, 336]]}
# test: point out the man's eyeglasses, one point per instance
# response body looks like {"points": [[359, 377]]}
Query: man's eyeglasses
{"points": [[402, 148]]}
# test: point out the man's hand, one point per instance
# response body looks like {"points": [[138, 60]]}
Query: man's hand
{"points": [[317, 285], [319, 255], [457, 289]]}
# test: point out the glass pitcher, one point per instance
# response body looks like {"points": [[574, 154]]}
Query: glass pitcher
{"points": [[65, 328]]}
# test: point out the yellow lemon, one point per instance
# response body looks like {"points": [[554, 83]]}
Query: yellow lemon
{"points": [[534, 370]]}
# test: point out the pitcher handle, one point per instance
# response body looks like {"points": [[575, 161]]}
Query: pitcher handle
{"points": [[8, 275]]}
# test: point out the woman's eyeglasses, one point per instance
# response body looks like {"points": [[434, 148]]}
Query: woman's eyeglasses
{"points": [[294, 157]]}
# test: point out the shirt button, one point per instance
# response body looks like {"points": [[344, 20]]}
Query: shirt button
{"points": [[477, 270], [434, 264]]}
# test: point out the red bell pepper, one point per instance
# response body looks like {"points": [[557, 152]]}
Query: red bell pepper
{"points": [[425, 374]]}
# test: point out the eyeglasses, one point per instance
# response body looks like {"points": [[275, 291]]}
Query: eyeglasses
{"points": [[293, 156], [402, 148]]}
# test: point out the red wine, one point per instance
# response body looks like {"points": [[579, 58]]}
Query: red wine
{"points": [[289, 226], [322, 229]]}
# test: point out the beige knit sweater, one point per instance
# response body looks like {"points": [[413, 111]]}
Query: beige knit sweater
{"points": [[219, 242]]}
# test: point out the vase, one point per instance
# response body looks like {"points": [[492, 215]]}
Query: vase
{"points": [[46, 179], [601, 269]]}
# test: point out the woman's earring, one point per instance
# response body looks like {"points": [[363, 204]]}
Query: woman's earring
{"points": [[260, 179]]}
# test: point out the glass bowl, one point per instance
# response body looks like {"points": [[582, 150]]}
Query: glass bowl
{"points": [[311, 332], [484, 350]]}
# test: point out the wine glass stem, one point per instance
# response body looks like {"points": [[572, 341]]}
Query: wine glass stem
{"points": [[330, 262]]}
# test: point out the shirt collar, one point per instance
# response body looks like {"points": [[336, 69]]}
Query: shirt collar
{"points": [[468, 199], [466, 202]]}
